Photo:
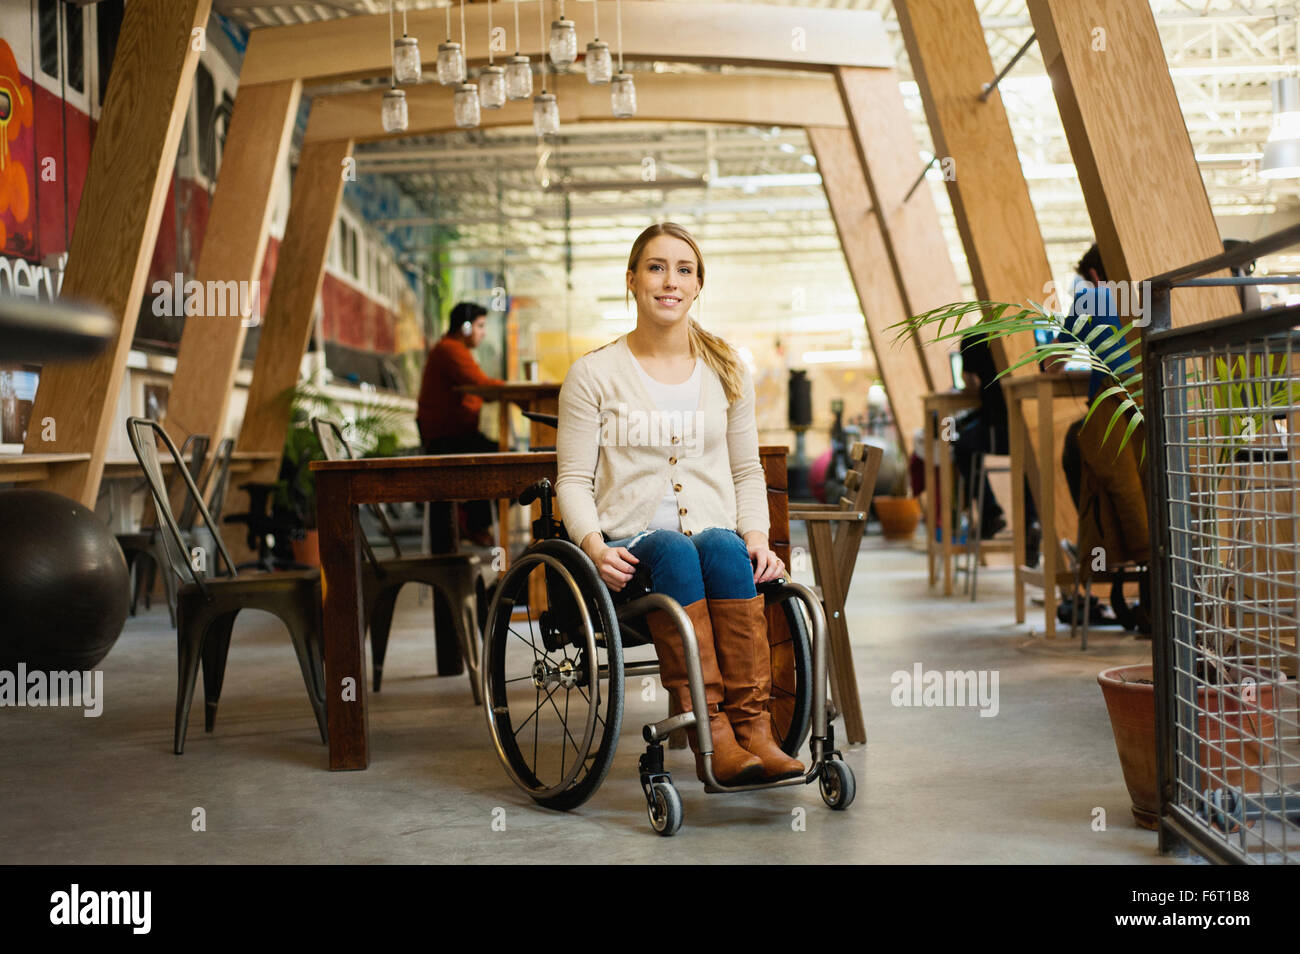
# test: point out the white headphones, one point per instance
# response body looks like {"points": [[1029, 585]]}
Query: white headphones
{"points": [[465, 328]]}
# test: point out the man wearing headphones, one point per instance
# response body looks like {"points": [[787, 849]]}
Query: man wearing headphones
{"points": [[448, 419]]}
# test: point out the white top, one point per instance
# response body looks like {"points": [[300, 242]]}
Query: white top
{"points": [[612, 459], [677, 404]]}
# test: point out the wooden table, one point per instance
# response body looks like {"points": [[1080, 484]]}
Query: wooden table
{"points": [[342, 485], [541, 397], [938, 407], [1060, 399]]}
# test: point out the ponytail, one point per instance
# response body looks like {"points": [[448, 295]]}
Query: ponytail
{"points": [[719, 356]]}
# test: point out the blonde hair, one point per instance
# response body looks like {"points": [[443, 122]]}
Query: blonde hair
{"points": [[717, 354]]}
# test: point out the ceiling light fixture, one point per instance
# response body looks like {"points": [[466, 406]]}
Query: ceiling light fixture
{"points": [[1282, 151], [519, 74], [599, 63], [406, 51], [564, 41], [622, 91], [492, 78], [451, 59]]}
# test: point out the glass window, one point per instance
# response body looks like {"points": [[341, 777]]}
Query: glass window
{"points": [[108, 25], [76, 27], [49, 27]]}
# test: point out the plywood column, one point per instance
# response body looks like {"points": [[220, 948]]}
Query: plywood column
{"points": [[989, 195], [918, 251], [286, 328], [901, 370], [1136, 165], [233, 245], [990, 199], [116, 228]]}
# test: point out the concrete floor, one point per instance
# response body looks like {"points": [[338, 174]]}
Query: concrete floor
{"points": [[934, 784]]}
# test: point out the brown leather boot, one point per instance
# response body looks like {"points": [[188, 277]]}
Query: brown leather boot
{"points": [[740, 635], [732, 765]]}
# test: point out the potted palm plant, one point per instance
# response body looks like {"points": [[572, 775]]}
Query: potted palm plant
{"points": [[1240, 399]]}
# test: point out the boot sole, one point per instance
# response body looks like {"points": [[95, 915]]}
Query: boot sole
{"points": [[749, 776]]}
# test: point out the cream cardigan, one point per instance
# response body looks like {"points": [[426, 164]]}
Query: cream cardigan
{"points": [[615, 451]]}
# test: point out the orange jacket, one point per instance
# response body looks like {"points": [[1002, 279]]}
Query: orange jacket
{"points": [[443, 411]]}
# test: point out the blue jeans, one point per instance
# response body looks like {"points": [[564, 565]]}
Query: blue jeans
{"points": [[713, 563]]}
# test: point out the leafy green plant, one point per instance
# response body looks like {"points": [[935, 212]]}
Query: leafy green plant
{"points": [[376, 432], [1243, 395]]}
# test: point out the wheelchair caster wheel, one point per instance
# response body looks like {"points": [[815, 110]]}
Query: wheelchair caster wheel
{"points": [[664, 807], [837, 785]]}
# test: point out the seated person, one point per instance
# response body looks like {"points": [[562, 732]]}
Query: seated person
{"points": [[448, 419], [658, 467]]}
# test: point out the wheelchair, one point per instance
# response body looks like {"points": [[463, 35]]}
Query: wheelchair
{"points": [[554, 677]]}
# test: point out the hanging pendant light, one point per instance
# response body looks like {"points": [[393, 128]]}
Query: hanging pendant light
{"points": [[491, 79], [406, 51], [622, 95], [546, 110], [598, 62], [622, 91], [451, 60], [546, 114], [492, 87], [519, 75], [600, 65], [394, 113], [466, 106], [1282, 150], [564, 41]]}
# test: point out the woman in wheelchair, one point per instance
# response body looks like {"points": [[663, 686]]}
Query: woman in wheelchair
{"points": [[658, 472]]}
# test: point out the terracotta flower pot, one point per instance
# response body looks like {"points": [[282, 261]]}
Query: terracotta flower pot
{"points": [[307, 550], [1132, 709], [1229, 726], [898, 516]]}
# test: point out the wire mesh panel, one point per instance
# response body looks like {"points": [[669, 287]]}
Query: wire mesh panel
{"points": [[1226, 452]]}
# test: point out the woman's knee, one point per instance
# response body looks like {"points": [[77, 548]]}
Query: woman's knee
{"points": [[673, 564], [725, 564]]}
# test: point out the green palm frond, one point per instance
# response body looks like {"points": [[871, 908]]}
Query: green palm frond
{"points": [[1003, 319]]}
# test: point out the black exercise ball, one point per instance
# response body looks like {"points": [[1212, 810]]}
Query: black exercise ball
{"points": [[64, 586]]}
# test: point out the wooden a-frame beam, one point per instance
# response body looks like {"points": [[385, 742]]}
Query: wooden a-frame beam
{"points": [[117, 225], [918, 251], [1136, 165], [737, 34], [233, 246]]}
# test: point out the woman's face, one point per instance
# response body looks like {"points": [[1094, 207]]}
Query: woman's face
{"points": [[666, 281]]}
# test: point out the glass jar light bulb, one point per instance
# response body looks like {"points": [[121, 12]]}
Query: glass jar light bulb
{"points": [[492, 87], [394, 113], [600, 65], [546, 114], [519, 77], [451, 64], [406, 59], [622, 96], [564, 43], [466, 106]]}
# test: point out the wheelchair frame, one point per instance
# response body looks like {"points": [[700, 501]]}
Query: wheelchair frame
{"points": [[826, 764]]}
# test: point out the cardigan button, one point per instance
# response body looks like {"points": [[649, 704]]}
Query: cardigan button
{"points": [[682, 511], [672, 460], [686, 532], [677, 487], [674, 438]]}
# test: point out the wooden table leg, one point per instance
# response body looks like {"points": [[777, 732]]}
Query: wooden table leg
{"points": [[1047, 506], [1019, 555], [949, 523], [931, 494], [345, 682]]}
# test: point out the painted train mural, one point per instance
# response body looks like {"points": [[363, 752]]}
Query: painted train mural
{"points": [[54, 63]]}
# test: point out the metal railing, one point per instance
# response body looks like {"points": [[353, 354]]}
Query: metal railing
{"points": [[1223, 421]]}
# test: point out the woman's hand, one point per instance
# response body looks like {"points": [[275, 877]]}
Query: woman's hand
{"points": [[615, 564], [767, 565]]}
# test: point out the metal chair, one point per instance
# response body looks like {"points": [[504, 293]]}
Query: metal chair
{"points": [[206, 606], [456, 578], [146, 546]]}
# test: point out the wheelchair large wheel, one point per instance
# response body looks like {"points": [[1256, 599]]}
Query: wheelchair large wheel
{"points": [[791, 656], [553, 675]]}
